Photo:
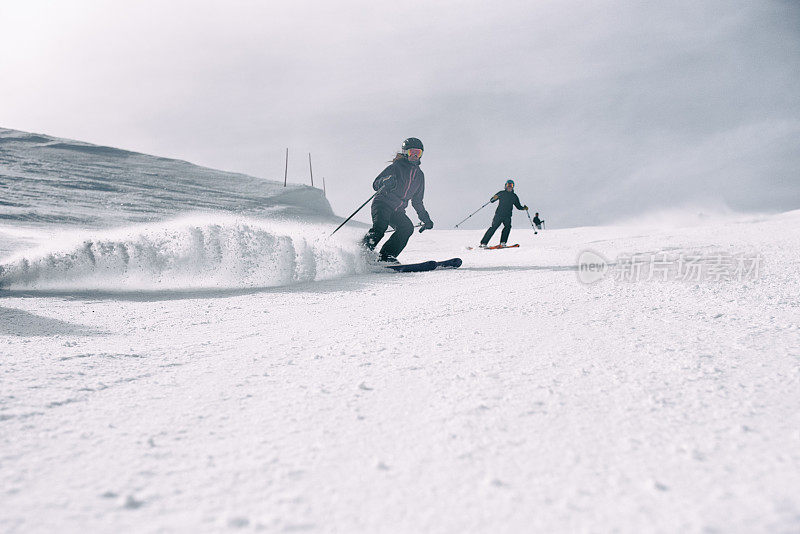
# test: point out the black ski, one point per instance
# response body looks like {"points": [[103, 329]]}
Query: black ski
{"points": [[413, 267], [452, 263]]}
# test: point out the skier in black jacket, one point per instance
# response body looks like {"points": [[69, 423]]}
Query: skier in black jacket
{"points": [[508, 199], [398, 183]]}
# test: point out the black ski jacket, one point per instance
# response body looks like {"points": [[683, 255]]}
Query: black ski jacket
{"points": [[409, 184], [507, 202]]}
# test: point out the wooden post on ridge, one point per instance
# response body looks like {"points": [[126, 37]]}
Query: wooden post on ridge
{"points": [[286, 170], [324, 192], [310, 170]]}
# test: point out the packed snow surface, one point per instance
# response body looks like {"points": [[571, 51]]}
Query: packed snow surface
{"points": [[216, 373]]}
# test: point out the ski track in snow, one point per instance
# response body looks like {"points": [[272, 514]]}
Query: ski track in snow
{"points": [[501, 397]]}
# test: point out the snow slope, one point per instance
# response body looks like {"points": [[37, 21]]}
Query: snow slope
{"points": [[505, 396], [50, 181]]}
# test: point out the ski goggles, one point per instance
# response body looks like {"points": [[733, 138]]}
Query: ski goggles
{"points": [[414, 153]]}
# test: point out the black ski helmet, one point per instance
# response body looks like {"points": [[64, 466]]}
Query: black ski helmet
{"points": [[412, 142]]}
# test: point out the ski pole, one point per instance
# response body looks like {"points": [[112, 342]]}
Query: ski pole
{"points": [[531, 220], [392, 230], [474, 212], [359, 209]]}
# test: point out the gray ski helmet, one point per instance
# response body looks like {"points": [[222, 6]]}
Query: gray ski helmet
{"points": [[412, 142], [510, 182]]}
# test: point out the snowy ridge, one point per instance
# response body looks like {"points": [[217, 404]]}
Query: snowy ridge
{"points": [[47, 181], [216, 251]]}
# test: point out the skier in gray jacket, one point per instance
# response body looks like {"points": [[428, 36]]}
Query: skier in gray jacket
{"points": [[508, 199], [400, 182]]}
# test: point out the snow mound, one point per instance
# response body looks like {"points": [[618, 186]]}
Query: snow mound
{"points": [[47, 181], [198, 252]]}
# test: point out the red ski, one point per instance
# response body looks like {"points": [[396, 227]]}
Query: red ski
{"points": [[496, 247]]}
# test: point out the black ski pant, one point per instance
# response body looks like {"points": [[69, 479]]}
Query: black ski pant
{"points": [[496, 222], [384, 216]]}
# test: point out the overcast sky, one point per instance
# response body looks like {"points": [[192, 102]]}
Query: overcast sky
{"points": [[599, 110]]}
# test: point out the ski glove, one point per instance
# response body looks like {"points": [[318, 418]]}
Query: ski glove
{"points": [[525, 207], [427, 225]]}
